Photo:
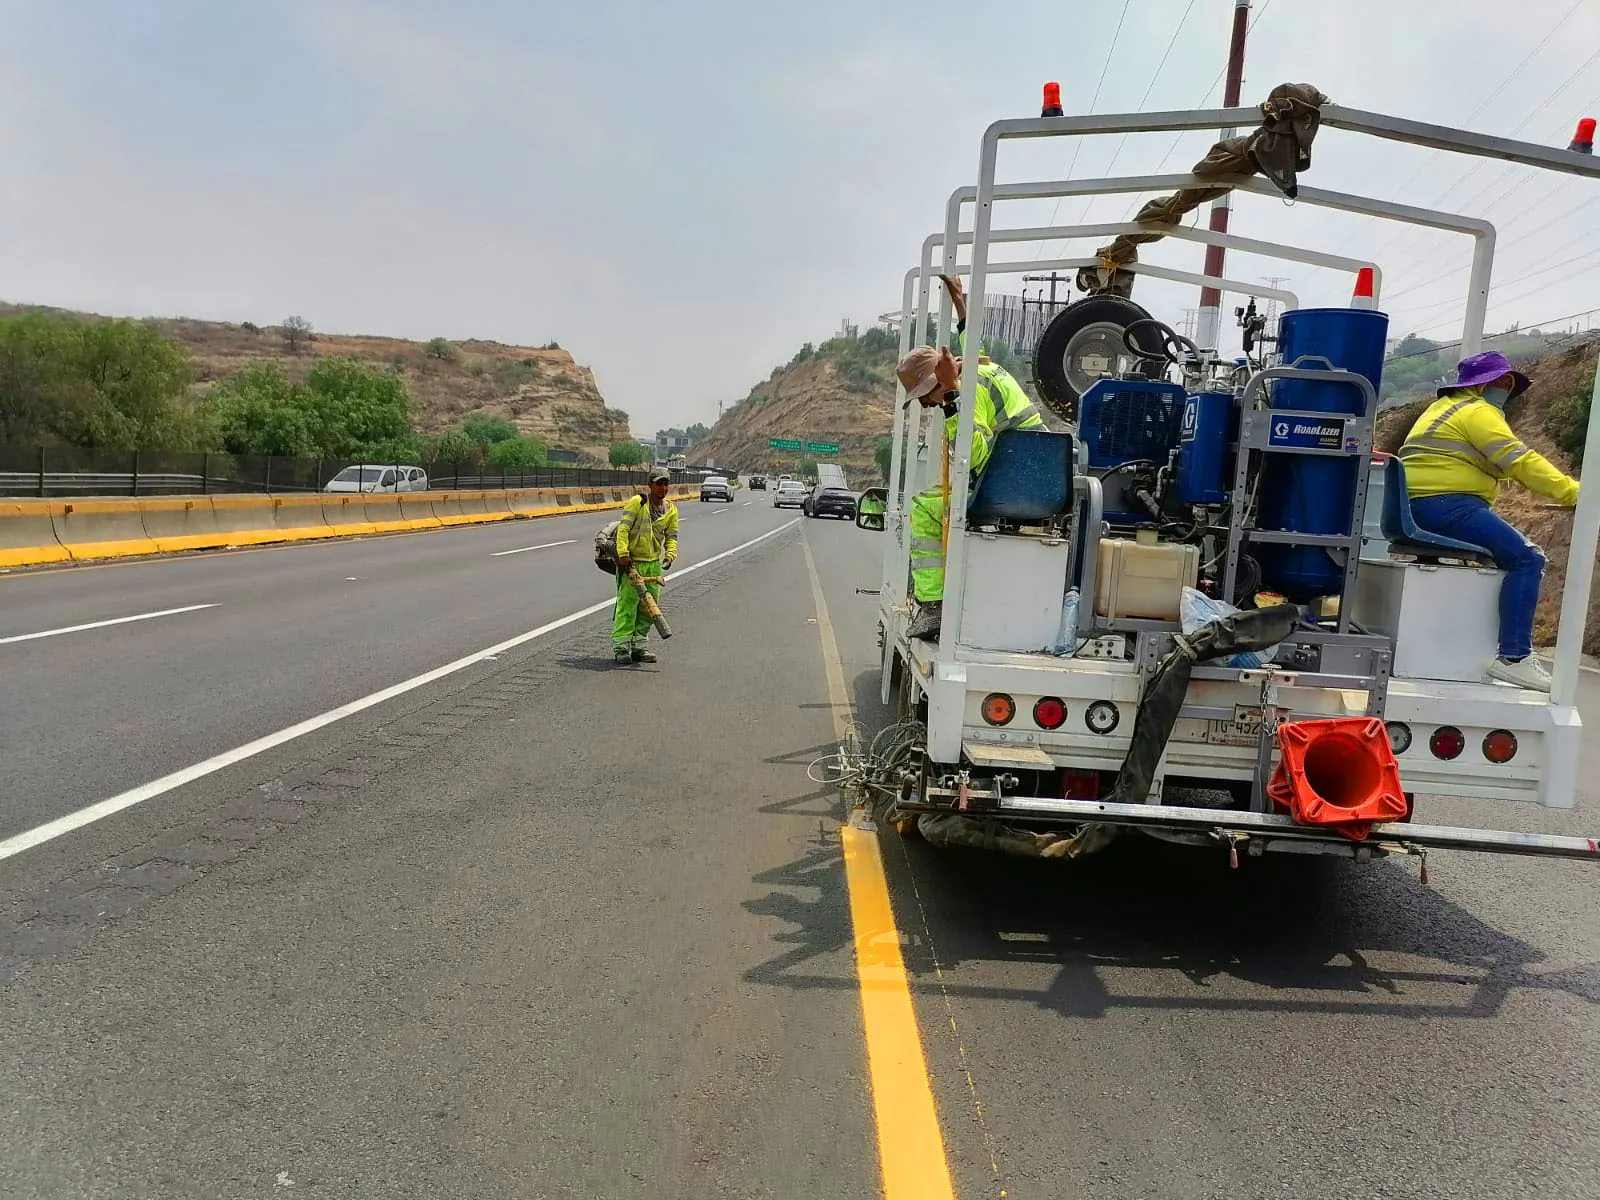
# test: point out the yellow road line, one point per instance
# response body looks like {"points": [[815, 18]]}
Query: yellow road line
{"points": [[911, 1151]]}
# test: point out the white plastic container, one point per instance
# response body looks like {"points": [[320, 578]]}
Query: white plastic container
{"points": [[1145, 581]]}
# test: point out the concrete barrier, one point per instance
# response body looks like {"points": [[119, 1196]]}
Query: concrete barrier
{"points": [[383, 514], [346, 516], [243, 520], [27, 534], [416, 510], [101, 529], [298, 518], [181, 523], [35, 532]]}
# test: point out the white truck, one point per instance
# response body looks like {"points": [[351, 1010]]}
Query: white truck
{"points": [[1169, 468]]}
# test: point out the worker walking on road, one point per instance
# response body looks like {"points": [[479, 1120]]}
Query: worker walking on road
{"points": [[647, 539], [933, 379], [1457, 455]]}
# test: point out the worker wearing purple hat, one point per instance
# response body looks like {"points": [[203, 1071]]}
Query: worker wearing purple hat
{"points": [[1457, 456]]}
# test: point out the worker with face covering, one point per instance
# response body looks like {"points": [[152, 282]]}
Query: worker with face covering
{"points": [[1457, 456], [933, 379]]}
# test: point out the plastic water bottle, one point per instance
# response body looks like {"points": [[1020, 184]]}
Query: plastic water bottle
{"points": [[1067, 635]]}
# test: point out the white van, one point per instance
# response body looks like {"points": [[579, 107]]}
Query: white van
{"points": [[368, 478]]}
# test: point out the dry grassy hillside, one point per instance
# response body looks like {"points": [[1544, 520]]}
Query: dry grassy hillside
{"points": [[1556, 380], [545, 392]]}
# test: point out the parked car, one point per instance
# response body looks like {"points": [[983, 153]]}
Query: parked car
{"points": [[715, 487], [831, 502], [366, 477], [758, 483], [791, 493]]}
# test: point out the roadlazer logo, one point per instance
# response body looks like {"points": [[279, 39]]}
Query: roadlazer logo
{"points": [[1321, 435]]}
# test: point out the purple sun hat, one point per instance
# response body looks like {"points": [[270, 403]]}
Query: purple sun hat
{"points": [[1478, 369]]}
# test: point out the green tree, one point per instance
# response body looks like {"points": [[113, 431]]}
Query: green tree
{"points": [[259, 411], [487, 429], [519, 452], [627, 454], [442, 349], [353, 406], [40, 398], [454, 446], [139, 378], [883, 455], [808, 468], [696, 431]]}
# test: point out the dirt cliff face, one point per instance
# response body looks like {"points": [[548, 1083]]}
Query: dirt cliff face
{"points": [[811, 402], [1561, 374]]}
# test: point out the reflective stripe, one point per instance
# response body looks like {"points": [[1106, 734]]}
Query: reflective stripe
{"points": [[927, 564], [1505, 451], [1447, 414], [933, 544], [1450, 448]]}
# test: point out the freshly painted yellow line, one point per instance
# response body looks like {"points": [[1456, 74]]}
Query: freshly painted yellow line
{"points": [[911, 1151], [910, 1144]]}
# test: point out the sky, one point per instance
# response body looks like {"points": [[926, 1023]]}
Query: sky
{"points": [[682, 194]]}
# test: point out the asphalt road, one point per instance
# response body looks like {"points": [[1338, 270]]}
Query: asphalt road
{"points": [[543, 927]]}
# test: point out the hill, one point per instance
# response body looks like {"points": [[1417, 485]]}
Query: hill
{"points": [[542, 390], [840, 392], [1551, 417]]}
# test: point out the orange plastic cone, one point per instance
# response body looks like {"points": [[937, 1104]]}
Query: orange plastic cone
{"points": [[1339, 773]]}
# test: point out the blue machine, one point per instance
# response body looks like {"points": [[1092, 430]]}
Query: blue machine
{"points": [[1314, 494], [1124, 421], [1210, 424]]}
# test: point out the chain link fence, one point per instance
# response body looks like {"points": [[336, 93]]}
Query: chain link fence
{"points": [[75, 471]]}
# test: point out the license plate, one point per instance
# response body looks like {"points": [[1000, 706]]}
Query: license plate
{"points": [[1243, 730]]}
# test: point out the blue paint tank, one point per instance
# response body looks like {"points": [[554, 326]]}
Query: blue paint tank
{"points": [[1210, 425], [1313, 494]]}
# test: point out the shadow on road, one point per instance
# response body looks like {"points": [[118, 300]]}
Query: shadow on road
{"points": [[1280, 934]]}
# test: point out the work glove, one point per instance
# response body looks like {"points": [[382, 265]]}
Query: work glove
{"points": [[667, 565], [624, 563]]}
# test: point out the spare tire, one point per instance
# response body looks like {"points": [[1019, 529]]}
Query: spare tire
{"points": [[1091, 329]]}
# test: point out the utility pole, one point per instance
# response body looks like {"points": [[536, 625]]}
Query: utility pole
{"points": [[1273, 281], [1216, 257]]}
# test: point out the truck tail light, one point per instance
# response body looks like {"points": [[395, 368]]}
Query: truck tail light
{"points": [[1049, 713], [1447, 742], [1500, 746], [1399, 736], [998, 708]]}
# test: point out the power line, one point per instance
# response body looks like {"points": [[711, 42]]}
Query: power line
{"points": [[1105, 70], [1488, 338], [1483, 107], [1254, 21]]}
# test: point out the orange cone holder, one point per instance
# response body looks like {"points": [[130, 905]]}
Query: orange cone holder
{"points": [[1340, 774]]}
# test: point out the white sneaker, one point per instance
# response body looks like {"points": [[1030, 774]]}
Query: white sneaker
{"points": [[1530, 673]]}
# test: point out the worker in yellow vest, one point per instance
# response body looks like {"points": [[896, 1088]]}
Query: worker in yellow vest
{"points": [[1457, 456]]}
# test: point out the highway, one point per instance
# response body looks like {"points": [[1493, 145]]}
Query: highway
{"points": [[379, 914]]}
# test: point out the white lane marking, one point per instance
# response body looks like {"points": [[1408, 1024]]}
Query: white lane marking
{"points": [[525, 549], [88, 815], [149, 616]]}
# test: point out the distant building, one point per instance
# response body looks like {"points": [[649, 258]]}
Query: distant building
{"points": [[670, 443]]}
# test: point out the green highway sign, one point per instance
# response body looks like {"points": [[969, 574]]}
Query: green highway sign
{"points": [[784, 443], [822, 447]]}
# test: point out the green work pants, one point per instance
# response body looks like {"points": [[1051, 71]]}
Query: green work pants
{"points": [[630, 628]]}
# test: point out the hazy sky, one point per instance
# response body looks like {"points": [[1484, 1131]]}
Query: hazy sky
{"points": [[681, 194]]}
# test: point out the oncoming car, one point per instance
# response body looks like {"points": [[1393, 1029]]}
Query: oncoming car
{"points": [[365, 477], [791, 493], [715, 487]]}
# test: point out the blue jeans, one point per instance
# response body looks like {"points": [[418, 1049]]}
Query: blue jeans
{"points": [[1470, 519]]}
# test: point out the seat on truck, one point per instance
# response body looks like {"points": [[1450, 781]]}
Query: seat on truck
{"points": [[1027, 480], [1400, 528]]}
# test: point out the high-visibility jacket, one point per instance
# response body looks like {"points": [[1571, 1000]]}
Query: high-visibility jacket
{"points": [[1462, 446], [646, 538], [1001, 405]]}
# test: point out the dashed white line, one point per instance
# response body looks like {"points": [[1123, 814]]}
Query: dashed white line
{"points": [[149, 616], [157, 787], [525, 549]]}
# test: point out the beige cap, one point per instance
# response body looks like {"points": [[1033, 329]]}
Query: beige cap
{"points": [[917, 373]]}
